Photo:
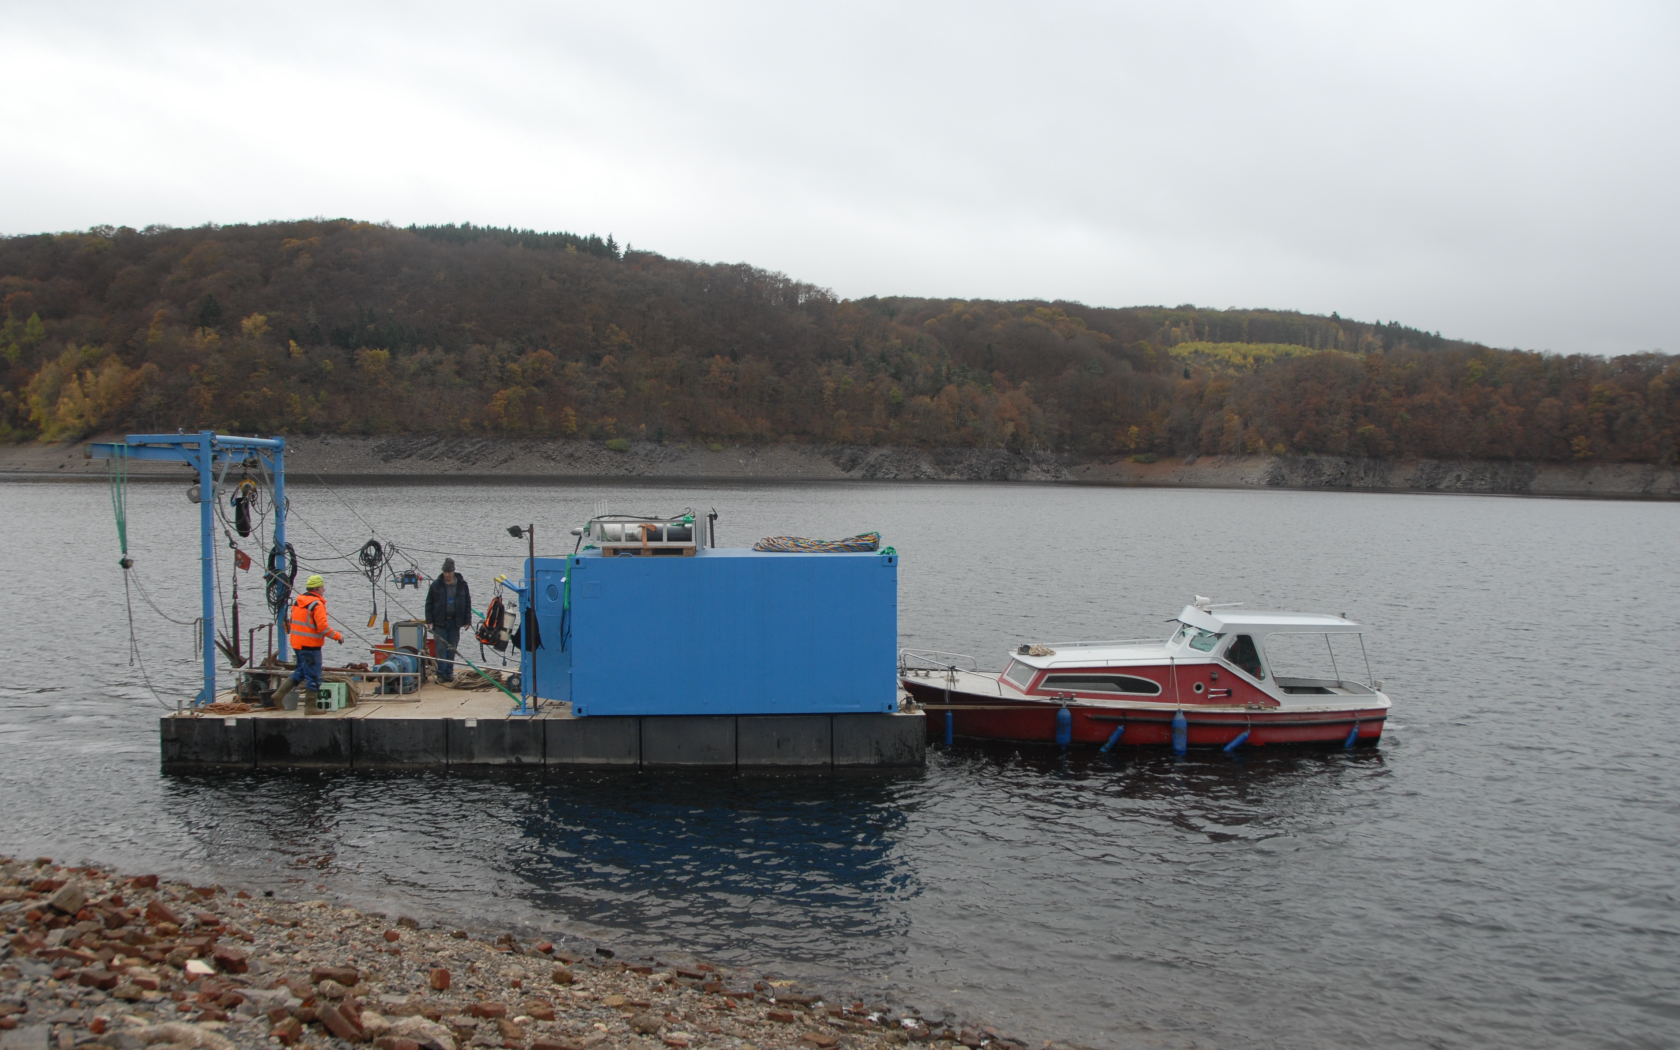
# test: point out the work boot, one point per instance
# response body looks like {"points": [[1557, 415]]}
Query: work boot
{"points": [[280, 694], [309, 698]]}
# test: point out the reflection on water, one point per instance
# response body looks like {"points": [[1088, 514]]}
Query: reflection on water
{"points": [[795, 864], [802, 864], [1499, 872]]}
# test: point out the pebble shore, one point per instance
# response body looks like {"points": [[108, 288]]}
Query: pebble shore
{"points": [[95, 961]]}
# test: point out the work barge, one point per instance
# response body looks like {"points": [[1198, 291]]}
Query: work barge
{"points": [[445, 728], [647, 647]]}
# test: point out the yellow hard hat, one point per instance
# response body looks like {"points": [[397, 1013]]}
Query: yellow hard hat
{"points": [[314, 582]]}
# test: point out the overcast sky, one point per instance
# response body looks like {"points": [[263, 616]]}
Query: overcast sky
{"points": [[1505, 172]]}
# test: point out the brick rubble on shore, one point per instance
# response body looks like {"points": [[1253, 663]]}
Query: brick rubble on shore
{"points": [[92, 961]]}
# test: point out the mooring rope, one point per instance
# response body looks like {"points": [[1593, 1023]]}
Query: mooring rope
{"points": [[140, 586], [134, 657], [116, 475]]}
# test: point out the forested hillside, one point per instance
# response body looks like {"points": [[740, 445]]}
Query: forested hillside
{"points": [[339, 326]]}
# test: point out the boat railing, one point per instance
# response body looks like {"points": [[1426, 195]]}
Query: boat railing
{"points": [[934, 660], [1109, 644]]}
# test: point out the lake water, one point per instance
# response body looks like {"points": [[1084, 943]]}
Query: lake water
{"points": [[1500, 872]]}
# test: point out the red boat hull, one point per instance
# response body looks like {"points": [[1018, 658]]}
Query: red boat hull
{"points": [[985, 717]]}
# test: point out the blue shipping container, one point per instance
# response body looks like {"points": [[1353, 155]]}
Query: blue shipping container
{"points": [[725, 632]]}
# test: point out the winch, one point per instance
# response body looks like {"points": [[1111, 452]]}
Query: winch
{"points": [[405, 664]]}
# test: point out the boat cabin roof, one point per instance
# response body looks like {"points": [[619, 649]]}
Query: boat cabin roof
{"points": [[1247, 621], [1215, 620]]}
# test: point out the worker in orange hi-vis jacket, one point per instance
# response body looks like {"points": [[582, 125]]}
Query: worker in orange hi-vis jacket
{"points": [[309, 632]]}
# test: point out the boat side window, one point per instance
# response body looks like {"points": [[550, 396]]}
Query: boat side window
{"points": [[1101, 683], [1243, 654], [1019, 673], [1204, 641]]}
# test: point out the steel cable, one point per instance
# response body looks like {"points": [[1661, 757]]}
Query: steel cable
{"points": [[134, 657]]}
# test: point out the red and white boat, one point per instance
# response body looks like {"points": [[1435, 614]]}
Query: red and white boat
{"points": [[1210, 684]]}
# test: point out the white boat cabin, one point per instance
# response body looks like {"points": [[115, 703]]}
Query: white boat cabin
{"points": [[1216, 655]]}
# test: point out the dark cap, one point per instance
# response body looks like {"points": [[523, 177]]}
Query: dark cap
{"points": [[449, 565]]}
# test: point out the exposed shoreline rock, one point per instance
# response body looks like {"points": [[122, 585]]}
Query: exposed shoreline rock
{"points": [[1352, 474], [147, 963], [426, 458]]}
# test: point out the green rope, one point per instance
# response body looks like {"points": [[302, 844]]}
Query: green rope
{"points": [[116, 476]]}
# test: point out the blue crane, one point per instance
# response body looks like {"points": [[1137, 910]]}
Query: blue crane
{"points": [[203, 452]]}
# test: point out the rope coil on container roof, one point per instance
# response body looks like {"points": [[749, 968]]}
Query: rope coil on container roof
{"points": [[863, 543]]}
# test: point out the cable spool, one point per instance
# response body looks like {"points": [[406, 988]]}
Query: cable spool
{"points": [[279, 575]]}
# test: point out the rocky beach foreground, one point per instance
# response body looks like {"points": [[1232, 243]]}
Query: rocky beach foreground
{"points": [[96, 961]]}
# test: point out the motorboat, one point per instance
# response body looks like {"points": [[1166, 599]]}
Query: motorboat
{"points": [[1222, 678]]}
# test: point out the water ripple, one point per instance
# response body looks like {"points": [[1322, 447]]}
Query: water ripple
{"points": [[1500, 872]]}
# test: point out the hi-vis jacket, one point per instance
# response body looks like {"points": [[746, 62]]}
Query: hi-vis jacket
{"points": [[308, 625]]}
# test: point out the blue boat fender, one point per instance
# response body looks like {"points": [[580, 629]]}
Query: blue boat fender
{"points": [[1064, 727], [1180, 733], [1242, 738], [1352, 737], [1114, 737], [950, 726]]}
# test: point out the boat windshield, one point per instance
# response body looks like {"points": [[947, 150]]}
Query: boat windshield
{"points": [[1202, 641]]}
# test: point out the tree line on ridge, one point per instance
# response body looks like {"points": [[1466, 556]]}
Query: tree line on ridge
{"points": [[350, 327]]}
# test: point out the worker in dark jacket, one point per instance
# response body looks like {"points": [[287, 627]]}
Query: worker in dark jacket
{"points": [[448, 609]]}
